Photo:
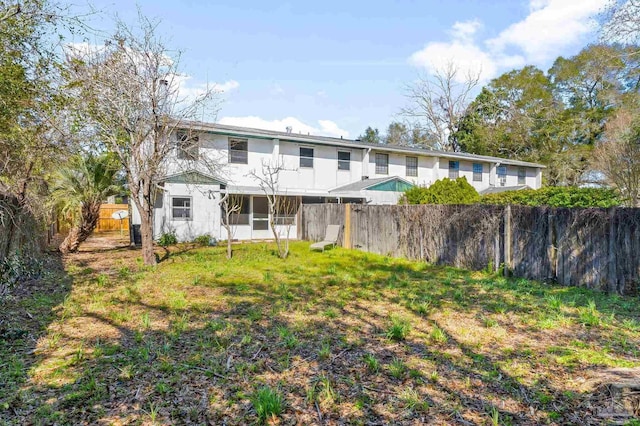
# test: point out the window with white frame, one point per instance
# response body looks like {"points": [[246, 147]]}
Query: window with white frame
{"points": [[238, 151], [454, 169], [522, 176], [477, 172], [181, 208], [502, 175], [344, 160], [306, 157], [382, 164], [412, 166], [187, 146]]}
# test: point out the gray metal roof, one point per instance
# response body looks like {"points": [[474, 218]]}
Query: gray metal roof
{"points": [[498, 189], [325, 140], [365, 183]]}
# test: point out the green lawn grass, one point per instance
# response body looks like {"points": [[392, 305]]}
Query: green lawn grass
{"points": [[318, 338]]}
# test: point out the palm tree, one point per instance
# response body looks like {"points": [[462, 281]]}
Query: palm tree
{"points": [[80, 189]]}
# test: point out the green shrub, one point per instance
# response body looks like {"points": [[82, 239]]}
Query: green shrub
{"points": [[167, 239], [445, 191], [17, 268], [556, 196], [203, 240]]}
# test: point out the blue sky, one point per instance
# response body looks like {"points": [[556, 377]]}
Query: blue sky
{"points": [[336, 67]]}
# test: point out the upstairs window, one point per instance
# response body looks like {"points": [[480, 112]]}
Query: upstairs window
{"points": [[382, 164], [306, 157], [187, 146], [181, 208], [238, 151], [502, 175], [477, 172], [412, 166], [522, 176], [454, 169], [344, 160]]}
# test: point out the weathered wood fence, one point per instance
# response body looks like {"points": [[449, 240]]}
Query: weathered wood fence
{"points": [[594, 248]]}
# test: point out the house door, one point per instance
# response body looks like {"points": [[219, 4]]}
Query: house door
{"points": [[260, 221]]}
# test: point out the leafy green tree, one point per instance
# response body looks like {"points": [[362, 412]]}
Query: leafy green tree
{"points": [[398, 134], [31, 105], [555, 119], [370, 135], [511, 117], [402, 134], [79, 191], [444, 191]]}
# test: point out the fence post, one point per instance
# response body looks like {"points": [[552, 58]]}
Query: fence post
{"points": [[300, 229], [551, 246], [496, 249], [347, 226], [507, 241], [613, 281]]}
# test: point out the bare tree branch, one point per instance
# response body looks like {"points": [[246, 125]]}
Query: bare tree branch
{"points": [[131, 94], [231, 204], [439, 101], [280, 205], [618, 156]]}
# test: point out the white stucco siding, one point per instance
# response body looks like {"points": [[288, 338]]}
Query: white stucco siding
{"points": [[382, 197], [205, 211], [324, 174], [425, 171]]}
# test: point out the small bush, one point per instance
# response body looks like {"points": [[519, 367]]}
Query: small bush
{"points": [[167, 239], [204, 240], [17, 268], [267, 403], [445, 191]]}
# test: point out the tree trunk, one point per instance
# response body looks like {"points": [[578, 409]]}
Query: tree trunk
{"points": [[229, 250], [78, 234], [146, 234], [141, 194]]}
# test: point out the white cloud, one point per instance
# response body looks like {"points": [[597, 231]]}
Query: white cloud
{"points": [[227, 86], [324, 128], [551, 26], [190, 89]]}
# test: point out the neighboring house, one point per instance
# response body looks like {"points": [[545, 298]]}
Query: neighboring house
{"points": [[317, 169]]}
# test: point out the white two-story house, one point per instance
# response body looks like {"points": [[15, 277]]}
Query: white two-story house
{"points": [[315, 169]]}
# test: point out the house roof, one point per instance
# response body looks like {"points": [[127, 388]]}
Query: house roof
{"points": [[224, 129], [192, 177], [368, 183], [498, 189]]}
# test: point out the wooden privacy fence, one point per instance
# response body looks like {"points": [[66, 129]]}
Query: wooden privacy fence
{"points": [[594, 248], [107, 223]]}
